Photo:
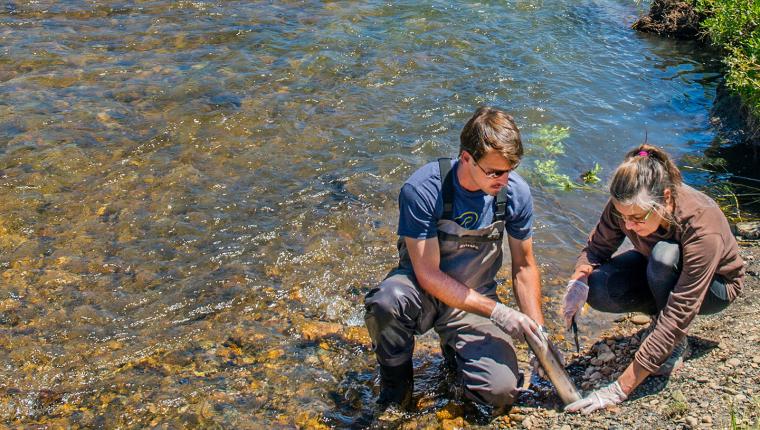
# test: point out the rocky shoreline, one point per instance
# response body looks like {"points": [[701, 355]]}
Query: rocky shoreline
{"points": [[718, 387]]}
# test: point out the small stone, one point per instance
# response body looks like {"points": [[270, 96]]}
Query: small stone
{"points": [[528, 423], [707, 419], [756, 359], [691, 421], [702, 379], [595, 376], [678, 396], [740, 398], [748, 230], [640, 319], [734, 362], [654, 402], [551, 413], [607, 356], [566, 427]]}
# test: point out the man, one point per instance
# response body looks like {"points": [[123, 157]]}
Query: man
{"points": [[453, 215]]}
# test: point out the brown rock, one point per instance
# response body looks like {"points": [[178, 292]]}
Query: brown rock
{"points": [[748, 230], [640, 319]]}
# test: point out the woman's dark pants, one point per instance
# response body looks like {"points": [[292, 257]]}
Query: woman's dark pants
{"points": [[630, 282]]}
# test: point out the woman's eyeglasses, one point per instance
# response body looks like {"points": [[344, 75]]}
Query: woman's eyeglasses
{"points": [[634, 220]]}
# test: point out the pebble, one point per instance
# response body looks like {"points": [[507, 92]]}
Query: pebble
{"points": [[678, 396], [528, 423], [734, 362], [691, 421], [607, 356], [707, 419], [566, 427], [640, 319], [756, 359], [702, 379]]}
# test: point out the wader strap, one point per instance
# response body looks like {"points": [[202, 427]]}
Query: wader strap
{"points": [[447, 187], [500, 214]]}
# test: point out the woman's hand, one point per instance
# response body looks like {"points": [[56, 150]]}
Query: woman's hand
{"points": [[599, 399], [576, 294]]}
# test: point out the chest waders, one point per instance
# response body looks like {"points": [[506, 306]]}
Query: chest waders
{"points": [[398, 308]]}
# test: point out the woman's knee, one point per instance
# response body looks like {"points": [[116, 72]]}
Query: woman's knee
{"points": [[664, 262], [598, 295]]}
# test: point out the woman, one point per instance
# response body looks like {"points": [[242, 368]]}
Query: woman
{"points": [[685, 262]]}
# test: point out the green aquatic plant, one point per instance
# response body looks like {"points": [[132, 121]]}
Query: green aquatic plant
{"points": [[550, 138], [547, 171], [592, 176]]}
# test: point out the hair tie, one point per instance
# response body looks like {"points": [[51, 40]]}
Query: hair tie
{"points": [[643, 154]]}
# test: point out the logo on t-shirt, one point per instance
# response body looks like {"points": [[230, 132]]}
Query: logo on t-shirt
{"points": [[467, 219]]}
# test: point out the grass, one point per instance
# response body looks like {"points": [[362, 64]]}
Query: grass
{"points": [[734, 25]]}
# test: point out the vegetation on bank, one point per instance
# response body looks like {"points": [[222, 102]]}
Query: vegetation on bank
{"points": [[734, 25]]}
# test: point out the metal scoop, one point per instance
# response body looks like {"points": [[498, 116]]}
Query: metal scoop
{"points": [[552, 365]]}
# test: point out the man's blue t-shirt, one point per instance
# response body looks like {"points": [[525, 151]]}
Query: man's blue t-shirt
{"points": [[421, 205]]}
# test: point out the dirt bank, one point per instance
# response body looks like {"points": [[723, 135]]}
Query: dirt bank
{"points": [[671, 18]]}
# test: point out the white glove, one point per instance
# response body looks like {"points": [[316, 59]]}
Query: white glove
{"points": [[538, 369], [576, 294], [598, 399], [515, 324]]}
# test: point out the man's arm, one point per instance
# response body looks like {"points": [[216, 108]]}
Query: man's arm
{"points": [[426, 259], [526, 279]]}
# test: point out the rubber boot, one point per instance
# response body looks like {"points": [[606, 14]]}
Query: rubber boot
{"points": [[396, 385]]}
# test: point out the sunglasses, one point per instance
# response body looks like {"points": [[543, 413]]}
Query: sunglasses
{"points": [[493, 174]]}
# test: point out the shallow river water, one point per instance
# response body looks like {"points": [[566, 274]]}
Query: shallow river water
{"points": [[195, 195]]}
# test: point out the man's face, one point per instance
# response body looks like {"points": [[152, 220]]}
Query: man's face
{"points": [[490, 173]]}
